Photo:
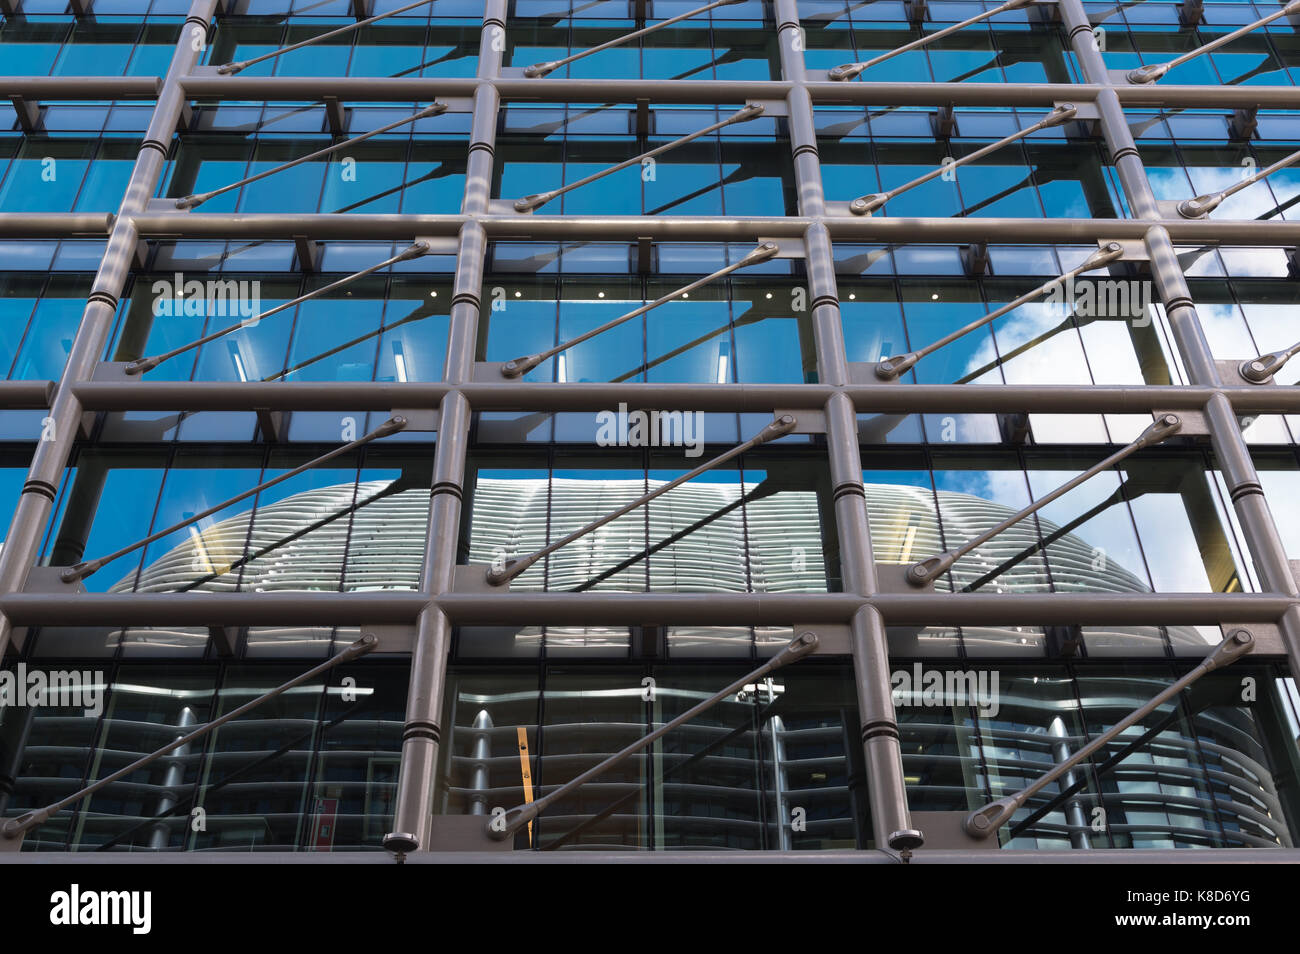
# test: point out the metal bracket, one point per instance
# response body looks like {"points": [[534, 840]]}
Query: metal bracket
{"points": [[393, 637], [892, 578], [272, 425], [807, 420], [943, 123], [946, 831], [1088, 118], [1193, 421], [1191, 12], [487, 372], [1244, 123], [463, 833], [646, 260], [833, 639], [163, 206], [418, 420], [225, 639], [49, 579], [771, 107], [1134, 249], [440, 244], [457, 104], [336, 116], [472, 578], [786, 247], [1013, 427], [29, 113], [112, 371], [975, 259], [309, 254], [864, 373], [1230, 372], [1268, 638], [838, 207], [1168, 208]]}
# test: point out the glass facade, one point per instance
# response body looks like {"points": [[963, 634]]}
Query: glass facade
{"points": [[585, 254]]}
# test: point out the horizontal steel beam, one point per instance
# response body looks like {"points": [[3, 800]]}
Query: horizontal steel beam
{"points": [[56, 224], [629, 228], [80, 87], [927, 609], [598, 609], [203, 609], [921, 856], [25, 395], [522, 396], [360, 89], [628, 91]]}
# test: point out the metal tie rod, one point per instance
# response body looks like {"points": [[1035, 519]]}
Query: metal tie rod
{"points": [[497, 575], [229, 69], [15, 828], [504, 826], [1156, 71], [865, 205], [537, 200], [543, 69], [1258, 370], [926, 571], [983, 822], [196, 199], [1205, 204], [141, 365], [850, 70], [892, 367], [84, 569], [518, 366]]}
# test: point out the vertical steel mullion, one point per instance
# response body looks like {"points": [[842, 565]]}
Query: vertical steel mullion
{"points": [[421, 735], [886, 789], [51, 456], [1229, 445]]}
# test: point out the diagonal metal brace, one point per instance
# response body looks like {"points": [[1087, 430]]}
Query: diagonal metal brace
{"points": [[497, 575], [983, 822], [865, 205], [196, 199], [15, 828], [520, 366], [550, 66], [82, 570], [890, 368], [927, 571], [503, 826], [530, 203]]}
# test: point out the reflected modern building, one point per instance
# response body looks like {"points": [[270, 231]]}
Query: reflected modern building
{"points": [[957, 336]]}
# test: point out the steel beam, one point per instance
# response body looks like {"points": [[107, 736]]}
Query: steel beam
{"points": [[1233, 455], [669, 609], [51, 456], [421, 736], [886, 791], [127, 395], [630, 228]]}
